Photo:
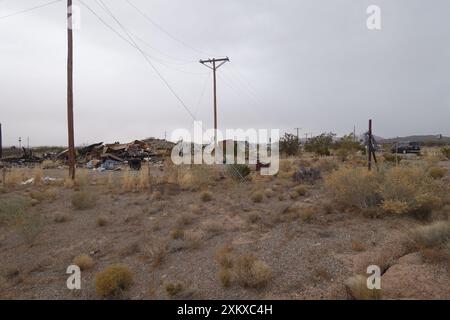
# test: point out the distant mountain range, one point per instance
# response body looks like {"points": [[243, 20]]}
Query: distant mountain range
{"points": [[417, 138]]}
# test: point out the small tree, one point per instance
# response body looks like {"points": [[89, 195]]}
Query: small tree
{"points": [[321, 144], [347, 145], [289, 144]]}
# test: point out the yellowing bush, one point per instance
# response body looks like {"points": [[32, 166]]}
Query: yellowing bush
{"points": [[113, 280], [398, 190]]}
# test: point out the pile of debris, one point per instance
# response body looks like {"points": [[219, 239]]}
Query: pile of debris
{"points": [[111, 156], [26, 158]]}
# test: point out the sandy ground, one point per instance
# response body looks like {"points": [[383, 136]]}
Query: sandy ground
{"points": [[309, 258]]}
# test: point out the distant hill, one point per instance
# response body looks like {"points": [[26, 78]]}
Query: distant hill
{"points": [[418, 138]]}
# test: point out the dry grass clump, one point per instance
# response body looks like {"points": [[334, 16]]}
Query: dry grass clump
{"points": [[356, 287], [177, 234], [15, 176], [245, 269], [185, 219], [257, 197], [326, 165], [357, 245], [13, 209], [129, 181], [437, 172], [156, 195], [196, 177], [61, 217], [432, 235], [206, 196], [397, 190], [15, 212], [49, 194], [144, 179], [82, 200], [83, 261], [38, 174], [213, 227], [251, 272], [113, 281], [101, 221], [298, 191], [174, 289]]}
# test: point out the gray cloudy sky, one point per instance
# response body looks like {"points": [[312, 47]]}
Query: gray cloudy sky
{"points": [[294, 63]]}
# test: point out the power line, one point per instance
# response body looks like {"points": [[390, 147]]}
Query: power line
{"points": [[30, 9], [146, 16], [134, 45]]}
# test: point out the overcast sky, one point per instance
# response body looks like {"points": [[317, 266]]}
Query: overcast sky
{"points": [[294, 63]]}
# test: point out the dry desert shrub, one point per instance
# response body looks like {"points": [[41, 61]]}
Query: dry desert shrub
{"points": [[257, 197], [15, 176], [177, 233], [213, 227], [446, 152], [356, 287], [354, 187], [357, 245], [196, 177], [82, 200], [206, 196], [437, 172], [83, 261], [225, 277], [101, 221], [300, 190], [128, 181], [185, 219], [251, 272], [433, 235], [174, 289], [144, 179], [113, 281], [327, 165], [397, 190], [38, 174], [61, 217], [224, 257], [15, 212]]}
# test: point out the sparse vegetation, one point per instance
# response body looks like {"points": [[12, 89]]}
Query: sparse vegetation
{"points": [[437, 172], [357, 289], [82, 200], [206, 196], [173, 289], [83, 261], [251, 272], [113, 281], [398, 190], [289, 144], [257, 197], [101, 221], [432, 235]]}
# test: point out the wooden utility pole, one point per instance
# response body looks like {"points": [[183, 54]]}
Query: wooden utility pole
{"points": [[212, 64], [71, 151], [298, 135], [1, 143], [370, 147]]}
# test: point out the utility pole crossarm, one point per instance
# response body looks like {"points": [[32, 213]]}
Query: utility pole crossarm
{"points": [[212, 64]]}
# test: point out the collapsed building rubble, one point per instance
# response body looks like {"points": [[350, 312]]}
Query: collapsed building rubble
{"points": [[111, 156]]}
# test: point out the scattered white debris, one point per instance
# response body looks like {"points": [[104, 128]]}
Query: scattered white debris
{"points": [[27, 182]]}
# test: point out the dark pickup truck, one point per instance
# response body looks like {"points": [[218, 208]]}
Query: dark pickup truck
{"points": [[406, 147]]}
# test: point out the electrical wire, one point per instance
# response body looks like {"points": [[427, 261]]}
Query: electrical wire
{"points": [[134, 45], [147, 17], [30, 9]]}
